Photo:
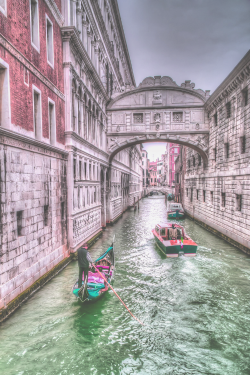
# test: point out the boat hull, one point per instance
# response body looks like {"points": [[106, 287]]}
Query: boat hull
{"points": [[176, 215]]}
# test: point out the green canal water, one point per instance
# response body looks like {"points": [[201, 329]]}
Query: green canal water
{"points": [[196, 311]]}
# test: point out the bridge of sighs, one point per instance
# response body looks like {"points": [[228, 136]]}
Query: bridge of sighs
{"points": [[159, 110]]}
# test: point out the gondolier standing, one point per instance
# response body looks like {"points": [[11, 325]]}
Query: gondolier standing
{"points": [[84, 259]]}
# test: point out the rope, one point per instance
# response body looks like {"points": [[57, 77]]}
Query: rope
{"points": [[118, 296]]}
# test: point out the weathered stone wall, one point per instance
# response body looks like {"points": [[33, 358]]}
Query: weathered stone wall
{"points": [[33, 230], [219, 194]]}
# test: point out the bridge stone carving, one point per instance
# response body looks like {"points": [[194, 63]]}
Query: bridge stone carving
{"points": [[158, 110]]}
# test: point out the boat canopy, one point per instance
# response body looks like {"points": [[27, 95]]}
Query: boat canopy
{"points": [[175, 206]]}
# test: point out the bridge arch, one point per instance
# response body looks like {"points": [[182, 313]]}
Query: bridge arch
{"points": [[159, 110]]}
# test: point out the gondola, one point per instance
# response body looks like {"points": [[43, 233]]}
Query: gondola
{"points": [[95, 286]]}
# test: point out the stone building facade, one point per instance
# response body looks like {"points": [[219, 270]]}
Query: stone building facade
{"points": [[218, 195], [60, 63]]}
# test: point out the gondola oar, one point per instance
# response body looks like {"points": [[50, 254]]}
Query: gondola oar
{"points": [[117, 295]]}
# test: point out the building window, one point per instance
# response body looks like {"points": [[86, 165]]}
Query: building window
{"points": [[243, 144], [226, 150], [4, 95], [19, 216], [193, 161], [80, 169], [49, 42], [3, 7], [74, 168], [215, 119], [62, 211], [138, 118], [52, 122], [211, 197], [197, 194], [228, 109], [223, 199], [46, 215], [204, 195], [245, 97], [215, 153], [85, 170], [187, 191], [90, 172], [143, 154], [199, 159], [191, 196], [238, 202], [34, 24], [189, 163], [37, 113]]}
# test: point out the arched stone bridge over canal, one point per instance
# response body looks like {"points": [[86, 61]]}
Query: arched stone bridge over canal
{"points": [[159, 110]]}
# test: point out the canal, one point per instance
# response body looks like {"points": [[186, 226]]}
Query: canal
{"points": [[196, 311]]}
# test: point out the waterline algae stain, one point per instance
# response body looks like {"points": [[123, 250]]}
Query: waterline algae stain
{"points": [[196, 311]]}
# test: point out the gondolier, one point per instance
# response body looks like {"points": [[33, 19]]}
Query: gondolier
{"points": [[84, 259]]}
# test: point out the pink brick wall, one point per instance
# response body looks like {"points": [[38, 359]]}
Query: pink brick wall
{"points": [[16, 29]]}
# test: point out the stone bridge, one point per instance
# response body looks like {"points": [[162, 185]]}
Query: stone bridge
{"points": [[159, 110]]}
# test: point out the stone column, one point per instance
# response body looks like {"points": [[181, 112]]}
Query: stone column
{"points": [[81, 133], [85, 34], [79, 19]]}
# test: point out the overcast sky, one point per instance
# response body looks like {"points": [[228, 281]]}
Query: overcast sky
{"points": [[197, 40]]}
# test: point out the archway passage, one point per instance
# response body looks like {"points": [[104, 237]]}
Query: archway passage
{"points": [[159, 110]]}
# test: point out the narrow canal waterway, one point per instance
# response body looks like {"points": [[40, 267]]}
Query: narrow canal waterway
{"points": [[196, 311]]}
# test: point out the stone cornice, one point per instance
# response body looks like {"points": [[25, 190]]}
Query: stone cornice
{"points": [[123, 39], [78, 138], [69, 33], [105, 36], [155, 88], [31, 67], [17, 140], [55, 11], [232, 81]]}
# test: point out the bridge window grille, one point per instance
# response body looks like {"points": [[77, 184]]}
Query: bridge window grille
{"points": [[228, 109], [245, 97], [177, 116], [238, 202], [138, 118], [211, 197], [223, 199]]}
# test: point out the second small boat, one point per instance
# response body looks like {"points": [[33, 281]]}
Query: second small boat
{"points": [[175, 210], [173, 241]]}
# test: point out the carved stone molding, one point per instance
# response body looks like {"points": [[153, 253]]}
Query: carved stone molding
{"points": [[55, 11], [17, 140], [28, 65]]}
